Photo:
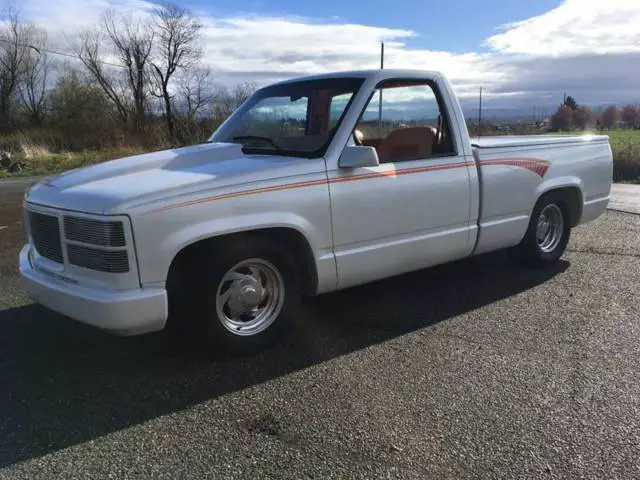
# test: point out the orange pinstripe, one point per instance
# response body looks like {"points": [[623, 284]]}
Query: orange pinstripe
{"points": [[535, 165], [223, 196]]}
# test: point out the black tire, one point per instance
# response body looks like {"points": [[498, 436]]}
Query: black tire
{"points": [[194, 302], [532, 252]]}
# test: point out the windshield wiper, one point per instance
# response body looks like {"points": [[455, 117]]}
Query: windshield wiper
{"points": [[258, 137]]}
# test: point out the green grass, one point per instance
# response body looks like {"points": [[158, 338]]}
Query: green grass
{"points": [[625, 145]]}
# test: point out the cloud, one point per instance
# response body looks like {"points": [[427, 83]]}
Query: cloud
{"points": [[575, 27], [586, 48], [282, 44]]}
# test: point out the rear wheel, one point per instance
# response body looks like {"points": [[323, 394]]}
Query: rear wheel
{"points": [[548, 232], [238, 299]]}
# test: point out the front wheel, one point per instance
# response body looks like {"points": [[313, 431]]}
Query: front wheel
{"points": [[238, 299], [548, 232]]}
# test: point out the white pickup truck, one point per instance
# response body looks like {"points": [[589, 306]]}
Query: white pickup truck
{"points": [[312, 185]]}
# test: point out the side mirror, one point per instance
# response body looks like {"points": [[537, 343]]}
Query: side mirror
{"points": [[355, 156]]}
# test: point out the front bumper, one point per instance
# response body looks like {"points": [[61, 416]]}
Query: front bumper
{"points": [[129, 312]]}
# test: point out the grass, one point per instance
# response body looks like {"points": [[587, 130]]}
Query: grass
{"points": [[625, 145], [38, 160]]}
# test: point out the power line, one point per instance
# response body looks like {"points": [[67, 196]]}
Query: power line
{"points": [[55, 52]]}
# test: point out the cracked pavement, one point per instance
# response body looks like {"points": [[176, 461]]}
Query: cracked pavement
{"points": [[477, 369]]}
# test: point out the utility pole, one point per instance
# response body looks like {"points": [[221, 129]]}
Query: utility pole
{"points": [[380, 91], [480, 114]]}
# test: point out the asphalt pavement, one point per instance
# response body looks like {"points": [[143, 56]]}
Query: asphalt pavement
{"points": [[478, 369], [625, 198], [14, 184]]}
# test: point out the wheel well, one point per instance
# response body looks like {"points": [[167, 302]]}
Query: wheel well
{"points": [[573, 196], [289, 238]]}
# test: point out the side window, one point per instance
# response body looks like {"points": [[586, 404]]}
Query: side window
{"points": [[403, 121], [338, 104]]}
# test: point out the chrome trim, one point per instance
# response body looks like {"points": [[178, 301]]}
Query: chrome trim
{"points": [[118, 279]]}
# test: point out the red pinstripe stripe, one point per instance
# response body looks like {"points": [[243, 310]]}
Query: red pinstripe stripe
{"points": [[310, 183], [396, 173], [537, 166]]}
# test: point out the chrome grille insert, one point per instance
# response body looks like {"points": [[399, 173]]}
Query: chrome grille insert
{"points": [[95, 232], [45, 232], [94, 259]]}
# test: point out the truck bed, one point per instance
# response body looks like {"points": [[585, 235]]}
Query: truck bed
{"points": [[514, 171], [533, 140]]}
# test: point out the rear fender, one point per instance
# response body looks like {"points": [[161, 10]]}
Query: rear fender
{"points": [[559, 183]]}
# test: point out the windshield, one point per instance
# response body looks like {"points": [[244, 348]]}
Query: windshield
{"points": [[298, 118]]}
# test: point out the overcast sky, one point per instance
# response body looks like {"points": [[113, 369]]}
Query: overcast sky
{"points": [[524, 53]]}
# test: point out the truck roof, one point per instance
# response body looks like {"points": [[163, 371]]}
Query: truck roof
{"points": [[376, 74]]}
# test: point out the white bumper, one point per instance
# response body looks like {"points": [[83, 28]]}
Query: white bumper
{"points": [[129, 312]]}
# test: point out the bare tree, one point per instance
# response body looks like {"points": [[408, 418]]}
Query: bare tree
{"points": [[90, 55], [13, 51], [176, 48], [631, 115], [33, 81], [581, 117], [196, 91], [81, 112], [226, 101], [610, 116], [132, 43]]}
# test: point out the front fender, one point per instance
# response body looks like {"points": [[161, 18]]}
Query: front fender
{"points": [[190, 234], [155, 262]]}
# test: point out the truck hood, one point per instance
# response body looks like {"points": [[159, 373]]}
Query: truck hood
{"points": [[113, 186]]}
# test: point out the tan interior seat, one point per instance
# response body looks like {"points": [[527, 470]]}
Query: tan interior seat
{"points": [[411, 142]]}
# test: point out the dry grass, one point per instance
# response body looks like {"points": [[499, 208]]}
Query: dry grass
{"points": [[38, 160], [31, 151], [40, 155]]}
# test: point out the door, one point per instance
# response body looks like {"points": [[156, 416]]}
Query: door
{"points": [[413, 210]]}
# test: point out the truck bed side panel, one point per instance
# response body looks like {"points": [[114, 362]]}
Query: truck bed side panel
{"points": [[513, 178]]}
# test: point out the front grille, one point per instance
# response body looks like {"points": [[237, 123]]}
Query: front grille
{"points": [[105, 242], [94, 259], [45, 232], [95, 232]]}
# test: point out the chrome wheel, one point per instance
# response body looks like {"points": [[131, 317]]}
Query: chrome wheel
{"points": [[250, 297], [550, 228]]}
